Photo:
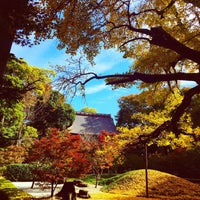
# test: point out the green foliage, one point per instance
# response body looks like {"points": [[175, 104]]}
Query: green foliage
{"points": [[20, 78], [26, 82], [105, 179], [29, 133], [52, 113], [11, 116], [19, 172]]}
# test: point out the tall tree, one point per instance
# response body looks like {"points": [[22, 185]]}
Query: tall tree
{"points": [[23, 80], [103, 152], [161, 36], [52, 113], [149, 121], [145, 102], [18, 20]]}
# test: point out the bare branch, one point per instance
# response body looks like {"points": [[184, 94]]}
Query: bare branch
{"points": [[134, 39], [158, 12]]}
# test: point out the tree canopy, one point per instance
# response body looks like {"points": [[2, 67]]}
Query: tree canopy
{"points": [[88, 110], [145, 102], [161, 36], [52, 113], [59, 156], [26, 83]]}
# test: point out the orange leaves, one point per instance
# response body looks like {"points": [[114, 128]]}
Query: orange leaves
{"points": [[104, 150], [12, 154], [63, 153]]}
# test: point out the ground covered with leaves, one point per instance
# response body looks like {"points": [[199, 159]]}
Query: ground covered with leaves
{"points": [[161, 185], [129, 186]]}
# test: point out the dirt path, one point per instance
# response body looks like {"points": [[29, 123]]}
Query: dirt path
{"points": [[40, 193]]}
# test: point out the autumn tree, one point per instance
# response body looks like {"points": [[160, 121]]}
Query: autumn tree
{"points": [[149, 121], [59, 156], [148, 101], [161, 36], [12, 154], [145, 102], [103, 152]]}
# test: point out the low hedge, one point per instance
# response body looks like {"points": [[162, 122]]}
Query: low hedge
{"points": [[19, 172]]}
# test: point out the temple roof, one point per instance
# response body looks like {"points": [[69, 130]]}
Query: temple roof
{"points": [[92, 123]]}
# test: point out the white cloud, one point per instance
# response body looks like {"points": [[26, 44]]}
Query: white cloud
{"points": [[95, 88], [188, 83], [39, 55], [108, 60], [102, 67]]}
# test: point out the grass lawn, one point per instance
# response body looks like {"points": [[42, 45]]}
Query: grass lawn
{"points": [[129, 186]]}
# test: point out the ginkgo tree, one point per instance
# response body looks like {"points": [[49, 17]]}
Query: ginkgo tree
{"points": [[145, 102], [161, 36], [150, 120]]}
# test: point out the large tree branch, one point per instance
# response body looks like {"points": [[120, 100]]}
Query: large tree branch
{"points": [[161, 38], [147, 78], [171, 125]]}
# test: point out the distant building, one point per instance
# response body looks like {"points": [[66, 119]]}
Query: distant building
{"points": [[92, 124]]}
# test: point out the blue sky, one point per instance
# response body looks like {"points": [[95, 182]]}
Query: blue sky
{"points": [[98, 95]]}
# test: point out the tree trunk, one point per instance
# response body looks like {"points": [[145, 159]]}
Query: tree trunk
{"points": [[97, 173], [5, 47], [33, 183], [97, 180], [52, 188], [68, 191]]}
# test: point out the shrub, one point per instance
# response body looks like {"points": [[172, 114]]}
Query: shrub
{"points": [[2, 170], [19, 172]]}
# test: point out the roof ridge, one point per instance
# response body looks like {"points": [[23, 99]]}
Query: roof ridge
{"points": [[93, 114]]}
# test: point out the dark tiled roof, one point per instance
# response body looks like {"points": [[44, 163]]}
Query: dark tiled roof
{"points": [[89, 123]]}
